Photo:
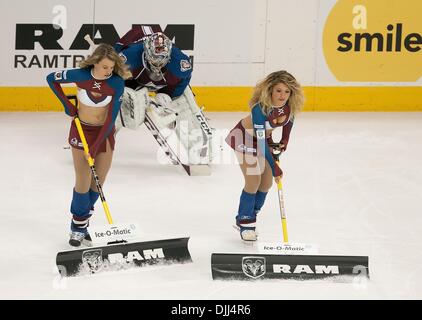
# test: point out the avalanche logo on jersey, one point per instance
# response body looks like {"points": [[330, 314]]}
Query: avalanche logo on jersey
{"points": [[154, 87], [185, 65]]}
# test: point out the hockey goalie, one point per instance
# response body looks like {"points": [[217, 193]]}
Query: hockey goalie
{"points": [[172, 114]]}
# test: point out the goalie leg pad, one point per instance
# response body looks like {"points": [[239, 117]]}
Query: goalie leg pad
{"points": [[193, 128]]}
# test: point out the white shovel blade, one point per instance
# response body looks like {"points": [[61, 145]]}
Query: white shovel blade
{"points": [[288, 248], [113, 232]]}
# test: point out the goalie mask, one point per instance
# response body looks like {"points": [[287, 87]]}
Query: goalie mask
{"points": [[157, 48]]}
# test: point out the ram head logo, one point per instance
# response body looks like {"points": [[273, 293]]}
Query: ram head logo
{"points": [[253, 267]]}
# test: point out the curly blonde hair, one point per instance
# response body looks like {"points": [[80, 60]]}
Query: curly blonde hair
{"points": [[107, 51], [263, 91]]}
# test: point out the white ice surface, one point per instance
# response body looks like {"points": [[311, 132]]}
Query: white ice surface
{"points": [[352, 185]]}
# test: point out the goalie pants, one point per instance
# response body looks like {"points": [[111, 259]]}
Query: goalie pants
{"points": [[91, 133]]}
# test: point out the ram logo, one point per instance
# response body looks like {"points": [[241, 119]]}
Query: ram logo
{"points": [[131, 256], [93, 259], [304, 268], [254, 267]]}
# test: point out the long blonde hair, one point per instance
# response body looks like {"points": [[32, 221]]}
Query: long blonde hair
{"points": [[107, 51], [263, 91]]}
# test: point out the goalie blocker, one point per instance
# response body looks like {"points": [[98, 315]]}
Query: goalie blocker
{"points": [[179, 126], [260, 266]]}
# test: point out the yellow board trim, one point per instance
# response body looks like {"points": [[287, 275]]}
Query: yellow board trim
{"points": [[326, 99]]}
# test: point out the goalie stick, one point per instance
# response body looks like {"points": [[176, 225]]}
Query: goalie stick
{"points": [[171, 154], [163, 143]]}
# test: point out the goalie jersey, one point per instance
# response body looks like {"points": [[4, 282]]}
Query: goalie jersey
{"points": [[176, 74]]}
